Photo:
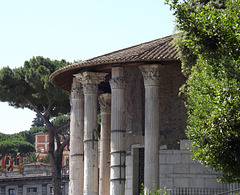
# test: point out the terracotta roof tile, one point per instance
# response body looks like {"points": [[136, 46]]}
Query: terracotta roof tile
{"points": [[156, 50]]}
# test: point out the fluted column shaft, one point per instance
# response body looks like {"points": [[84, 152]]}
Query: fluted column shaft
{"points": [[118, 153], [76, 140], [104, 173], [151, 158], [90, 81]]}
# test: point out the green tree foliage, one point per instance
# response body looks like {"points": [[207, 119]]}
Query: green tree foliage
{"points": [[37, 122], [155, 191], [3, 136], [14, 146], [29, 135], [29, 87], [62, 123], [32, 157], [45, 159], [187, 56], [37, 126], [212, 33]]}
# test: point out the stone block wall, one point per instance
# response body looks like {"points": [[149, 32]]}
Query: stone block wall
{"points": [[130, 184], [178, 170]]}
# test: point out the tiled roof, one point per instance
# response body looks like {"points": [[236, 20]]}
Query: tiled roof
{"points": [[158, 50]]}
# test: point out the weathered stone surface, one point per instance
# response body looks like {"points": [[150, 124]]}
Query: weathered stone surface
{"points": [[90, 81], [151, 82], [183, 182], [76, 163], [196, 183], [177, 167], [104, 163], [196, 168], [118, 131]]}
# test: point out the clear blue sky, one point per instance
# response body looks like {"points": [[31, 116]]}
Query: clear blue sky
{"points": [[72, 30]]}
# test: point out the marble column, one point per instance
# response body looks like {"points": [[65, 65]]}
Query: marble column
{"points": [[151, 157], [118, 131], [90, 81], [76, 140], [104, 176]]}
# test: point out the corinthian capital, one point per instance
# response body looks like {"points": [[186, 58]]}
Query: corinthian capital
{"points": [[90, 81], [117, 83], [76, 91], [151, 74], [105, 102]]}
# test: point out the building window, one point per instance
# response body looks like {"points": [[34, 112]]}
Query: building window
{"points": [[11, 191], [32, 189], [16, 161], [138, 169], [7, 162], [51, 190]]}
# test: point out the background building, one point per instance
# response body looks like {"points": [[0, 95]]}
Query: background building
{"points": [[5, 163], [35, 179], [42, 146]]}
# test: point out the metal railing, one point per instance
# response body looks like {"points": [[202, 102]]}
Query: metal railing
{"points": [[196, 191], [225, 189], [233, 189], [230, 192]]}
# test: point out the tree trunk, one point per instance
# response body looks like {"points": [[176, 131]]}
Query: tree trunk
{"points": [[55, 154], [10, 168], [56, 167]]}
